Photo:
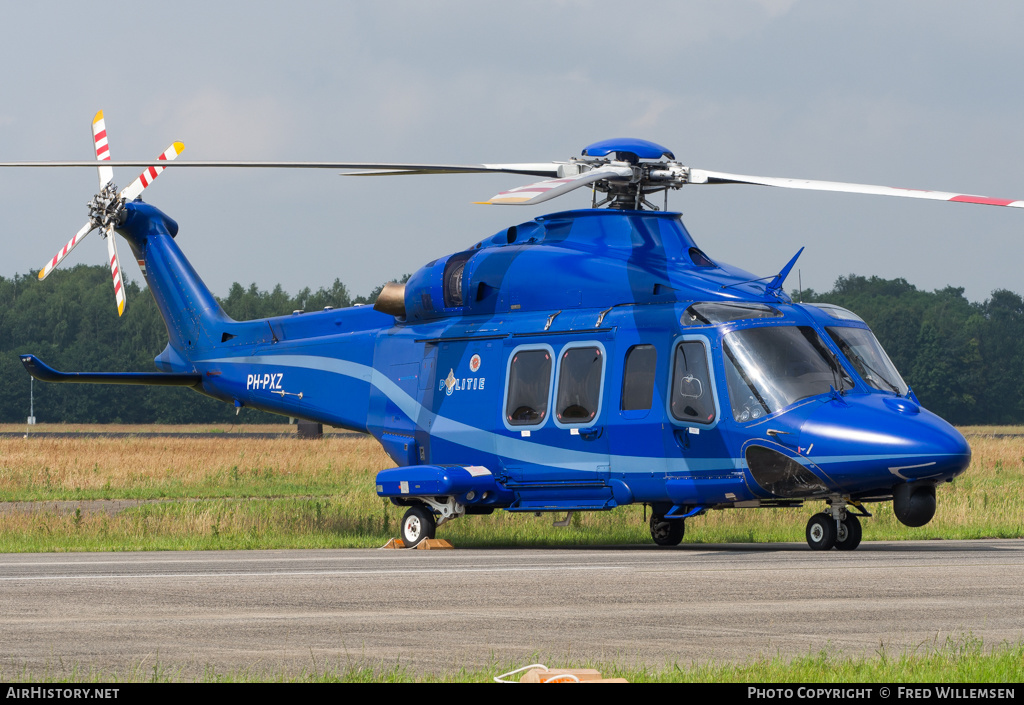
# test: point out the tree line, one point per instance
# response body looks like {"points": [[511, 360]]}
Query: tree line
{"points": [[71, 323], [963, 359]]}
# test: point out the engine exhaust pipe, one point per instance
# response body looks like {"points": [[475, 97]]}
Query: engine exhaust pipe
{"points": [[391, 300]]}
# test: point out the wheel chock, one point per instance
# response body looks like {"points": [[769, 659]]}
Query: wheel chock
{"points": [[424, 545], [538, 673], [561, 675]]}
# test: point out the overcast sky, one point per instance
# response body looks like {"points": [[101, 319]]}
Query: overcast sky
{"points": [[912, 94]]}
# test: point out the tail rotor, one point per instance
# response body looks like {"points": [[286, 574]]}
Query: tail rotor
{"points": [[106, 209]]}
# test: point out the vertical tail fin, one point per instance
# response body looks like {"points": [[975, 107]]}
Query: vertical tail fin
{"points": [[189, 309]]}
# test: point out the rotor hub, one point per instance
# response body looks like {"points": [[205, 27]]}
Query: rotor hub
{"points": [[107, 207], [647, 178]]}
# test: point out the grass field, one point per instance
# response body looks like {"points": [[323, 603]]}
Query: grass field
{"points": [[956, 660], [213, 490]]}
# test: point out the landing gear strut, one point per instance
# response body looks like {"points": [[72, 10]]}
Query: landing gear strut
{"points": [[421, 520], [667, 532], [836, 528], [418, 524], [848, 533], [821, 532]]}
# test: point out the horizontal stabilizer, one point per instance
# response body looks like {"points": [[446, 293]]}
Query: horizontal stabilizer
{"points": [[44, 373]]}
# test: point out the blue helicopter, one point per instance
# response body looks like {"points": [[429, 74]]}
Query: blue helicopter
{"points": [[579, 361]]}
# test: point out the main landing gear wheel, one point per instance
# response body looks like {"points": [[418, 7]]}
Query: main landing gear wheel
{"points": [[821, 532], [667, 532], [848, 533], [418, 524]]}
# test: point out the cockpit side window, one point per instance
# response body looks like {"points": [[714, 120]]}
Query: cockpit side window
{"points": [[692, 397], [529, 384]]}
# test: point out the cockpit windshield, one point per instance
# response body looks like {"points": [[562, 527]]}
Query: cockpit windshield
{"points": [[772, 367], [866, 355]]}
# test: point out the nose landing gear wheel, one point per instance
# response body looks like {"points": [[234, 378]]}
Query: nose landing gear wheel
{"points": [[848, 533], [417, 524], [821, 532], [667, 532]]}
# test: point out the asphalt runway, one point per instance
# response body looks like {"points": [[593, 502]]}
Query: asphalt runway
{"points": [[436, 611]]}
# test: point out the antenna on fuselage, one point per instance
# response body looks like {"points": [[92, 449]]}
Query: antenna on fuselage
{"points": [[775, 285]]}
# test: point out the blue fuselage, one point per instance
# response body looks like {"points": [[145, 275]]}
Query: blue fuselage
{"points": [[585, 360]]}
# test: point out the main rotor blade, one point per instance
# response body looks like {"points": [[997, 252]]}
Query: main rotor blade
{"points": [[542, 169], [115, 270], [552, 188], [99, 138], [135, 188], [701, 176], [72, 244], [371, 168]]}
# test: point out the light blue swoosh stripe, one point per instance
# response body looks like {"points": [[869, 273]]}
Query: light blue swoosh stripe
{"points": [[513, 448], [440, 426]]}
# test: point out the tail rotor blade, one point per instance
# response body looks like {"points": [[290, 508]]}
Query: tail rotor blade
{"points": [[99, 138], [115, 270], [135, 188], [72, 244]]}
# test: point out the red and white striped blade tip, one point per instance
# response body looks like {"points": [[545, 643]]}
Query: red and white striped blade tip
{"points": [[135, 188], [99, 138], [115, 271], [702, 176], [552, 188], [66, 250]]}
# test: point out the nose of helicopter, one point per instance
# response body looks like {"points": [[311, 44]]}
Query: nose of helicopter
{"points": [[874, 441]]}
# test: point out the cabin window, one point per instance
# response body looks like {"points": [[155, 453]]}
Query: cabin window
{"points": [[580, 371], [529, 383], [693, 398], [638, 378]]}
